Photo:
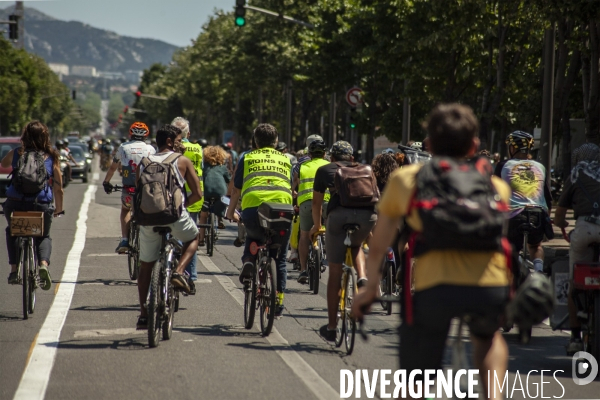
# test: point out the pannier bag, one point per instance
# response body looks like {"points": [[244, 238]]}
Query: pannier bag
{"points": [[276, 216]]}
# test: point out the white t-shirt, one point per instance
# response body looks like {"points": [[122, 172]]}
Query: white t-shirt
{"points": [[130, 154]]}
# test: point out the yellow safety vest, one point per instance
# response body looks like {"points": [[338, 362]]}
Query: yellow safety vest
{"points": [[194, 153], [266, 178], [308, 171]]}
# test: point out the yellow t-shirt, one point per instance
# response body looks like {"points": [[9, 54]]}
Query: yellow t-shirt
{"points": [[439, 267]]}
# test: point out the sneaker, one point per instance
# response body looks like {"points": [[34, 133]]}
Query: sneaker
{"points": [[192, 286], [180, 282], [123, 247], [575, 345], [45, 279], [279, 310], [328, 334], [238, 243], [247, 271], [361, 283], [293, 256], [13, 278], [221, 225], [142, 323], [303, 277]]}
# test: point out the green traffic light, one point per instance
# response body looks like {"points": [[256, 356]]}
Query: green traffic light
{"points": [[352, 125], [240, 21]]}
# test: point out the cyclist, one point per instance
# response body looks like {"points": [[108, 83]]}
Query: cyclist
{"points": [[60, 146], [527, 180], [305, 181], [383, 165], [34, 137], [448, 283], [194, 153], [270, 183], [283, 148], [168, 138], [129, 155], [581, 192], [216, 179], [338, 216]]}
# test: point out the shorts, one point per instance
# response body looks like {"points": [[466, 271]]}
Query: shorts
{"points": [[584, 234], [535, 237], [184, 229], [306, 219], [422, 344], [127, 194], [335, 235]]}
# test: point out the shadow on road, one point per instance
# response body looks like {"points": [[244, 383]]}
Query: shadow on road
{"points": [[134, 307], [120, 344]]}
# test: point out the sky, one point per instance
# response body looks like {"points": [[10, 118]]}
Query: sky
{"points": [[172, 21]]}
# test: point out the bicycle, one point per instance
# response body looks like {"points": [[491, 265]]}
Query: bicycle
{"points": [[347, 330], [314, 264], [133, 236], [525, 266], [586, 295], [212, 227], [163, 300], [27, 226], [260, 291], [387, 285]]}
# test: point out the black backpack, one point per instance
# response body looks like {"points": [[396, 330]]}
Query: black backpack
{"points": [[30, 176], [459, 206]]}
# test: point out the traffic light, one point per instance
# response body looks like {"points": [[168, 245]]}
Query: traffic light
{"points": [[138, 94], [240, 13], [13, 29], [353, 118], [126, 110]]}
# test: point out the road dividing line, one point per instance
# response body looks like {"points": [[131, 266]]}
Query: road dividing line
{"points": [[320, 388], [35, 379]]}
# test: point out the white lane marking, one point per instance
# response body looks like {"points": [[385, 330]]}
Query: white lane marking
{"points": [[203, 281], [95, 176], [34, 381], [107, 332], [320, 388]]}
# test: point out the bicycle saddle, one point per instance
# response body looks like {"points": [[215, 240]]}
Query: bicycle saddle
{"points": [[162, 229], [351, 227]]}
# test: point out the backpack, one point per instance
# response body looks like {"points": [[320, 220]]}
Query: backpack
{"points": [[159, 198], [459, 206], [30, 176], [356, 185]]}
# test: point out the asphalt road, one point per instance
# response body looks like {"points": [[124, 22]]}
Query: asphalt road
{"points": [[100, 355]]}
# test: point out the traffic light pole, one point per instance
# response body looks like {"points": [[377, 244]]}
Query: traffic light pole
{"points": [[280, 15]]}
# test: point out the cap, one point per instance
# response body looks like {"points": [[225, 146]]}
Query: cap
{"points": [[312, 138], [280, 146], [387, 151], [341, 148]]}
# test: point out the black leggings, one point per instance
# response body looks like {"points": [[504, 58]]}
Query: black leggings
{"points": [[44, 243]]}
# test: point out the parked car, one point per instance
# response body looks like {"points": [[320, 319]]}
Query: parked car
{"points": [[6, 145], [81, 169]]}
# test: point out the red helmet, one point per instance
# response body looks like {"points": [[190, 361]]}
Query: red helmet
{"points": [[139, 129]]}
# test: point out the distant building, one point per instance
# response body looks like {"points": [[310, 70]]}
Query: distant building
{"points": [[133, 76], [111, 75], [59, 69], [84, 70]]}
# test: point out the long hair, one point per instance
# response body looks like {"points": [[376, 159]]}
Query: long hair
{"points": [[214, 155], [383, 165], [35, 136]]}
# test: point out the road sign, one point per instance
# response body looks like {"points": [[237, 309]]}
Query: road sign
{"points": [[354, 96]]}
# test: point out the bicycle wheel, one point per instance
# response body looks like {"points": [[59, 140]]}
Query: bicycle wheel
{"points": [[215, 231], [268, 293], [154, 316], [167, 325], [33, 275], [390, 286], [24, 265], [209, 235], [350, 322], [594, 332], [341, 314], [249, 303], [131, 253], [316, 269], [310, 266], [383, 285]]}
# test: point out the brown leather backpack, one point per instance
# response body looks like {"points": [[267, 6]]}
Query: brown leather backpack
{"points": [[356, 185]]}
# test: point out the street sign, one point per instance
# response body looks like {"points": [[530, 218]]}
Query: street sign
{"points": [[354, 96]]}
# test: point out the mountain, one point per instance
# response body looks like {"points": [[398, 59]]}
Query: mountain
{"points": [[76, 43]]}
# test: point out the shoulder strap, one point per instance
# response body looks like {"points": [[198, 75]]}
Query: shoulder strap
{"points": [[172, 157], [145, 162]]}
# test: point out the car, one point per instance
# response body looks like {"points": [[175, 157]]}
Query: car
{"points": [[88, 157], [81, 169], [6, 145]]}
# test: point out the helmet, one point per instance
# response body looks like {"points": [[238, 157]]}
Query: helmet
{"points": [[59, 143], [124, 139], [203, 142], [107, 141], [66, 141], [534, 301], [388, 151], [317, 146], [139, 130], [226, 146], [520, 140], [280, 146], [417, 146]]}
